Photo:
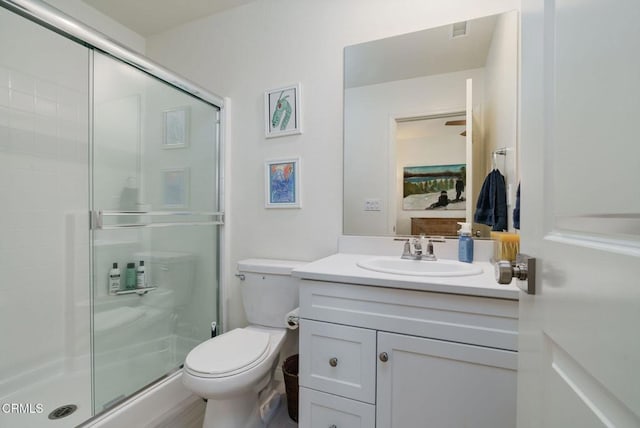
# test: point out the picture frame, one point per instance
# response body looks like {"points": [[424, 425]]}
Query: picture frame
{"points": [[282, 183], [282, 111], [175, 188], [175, 128], [434, 187]]}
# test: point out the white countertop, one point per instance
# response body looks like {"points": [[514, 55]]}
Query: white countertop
{"points": [[342, 267]]}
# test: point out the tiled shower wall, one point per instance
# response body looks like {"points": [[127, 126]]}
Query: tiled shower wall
{"points": [[44, 241]]}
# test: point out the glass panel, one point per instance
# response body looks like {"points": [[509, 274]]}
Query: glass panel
{"points": [[155, 152], [44, 230]]}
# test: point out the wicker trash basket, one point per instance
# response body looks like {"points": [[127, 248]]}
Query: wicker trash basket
{"points": [[290, 372]]}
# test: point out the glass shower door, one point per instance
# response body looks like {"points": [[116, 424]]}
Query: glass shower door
{"points": [[154, 207]]}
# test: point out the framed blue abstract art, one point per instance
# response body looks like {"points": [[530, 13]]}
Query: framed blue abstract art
{"points": [[282, 183]]}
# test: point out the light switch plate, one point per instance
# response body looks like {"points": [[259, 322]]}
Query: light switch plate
{"points": [[372, 205]]}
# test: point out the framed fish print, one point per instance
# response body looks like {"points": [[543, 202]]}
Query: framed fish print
{"points": [[175, 128], [282, 111]]}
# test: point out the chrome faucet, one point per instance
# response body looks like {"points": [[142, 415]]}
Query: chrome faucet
{"points": [[418, 254], [417, 245]]}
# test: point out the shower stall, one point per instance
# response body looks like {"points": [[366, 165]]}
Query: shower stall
{"points": [[108, 163]]}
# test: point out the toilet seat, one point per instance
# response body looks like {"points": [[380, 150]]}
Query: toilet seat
{"points": [[228, 354]]}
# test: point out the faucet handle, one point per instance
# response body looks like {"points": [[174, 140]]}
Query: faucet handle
{"points": [[406, 252], [436, 239]]}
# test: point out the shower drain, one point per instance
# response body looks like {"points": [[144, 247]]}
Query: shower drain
{"points": [[63, 411]]}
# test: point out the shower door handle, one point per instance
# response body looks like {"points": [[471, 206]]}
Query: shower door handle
{"points": [[97, 219]]}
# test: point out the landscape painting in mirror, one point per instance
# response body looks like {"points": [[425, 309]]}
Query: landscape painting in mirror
{"points": [[434, 187]]}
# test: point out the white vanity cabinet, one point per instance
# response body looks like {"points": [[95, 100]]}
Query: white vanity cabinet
{"points": [[392, 358]]}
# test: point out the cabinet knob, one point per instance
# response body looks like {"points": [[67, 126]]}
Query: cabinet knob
{"points": [[333, 426], [384, 357], [333, 362]]}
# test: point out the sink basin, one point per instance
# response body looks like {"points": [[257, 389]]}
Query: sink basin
{"points": [[437, 268]]}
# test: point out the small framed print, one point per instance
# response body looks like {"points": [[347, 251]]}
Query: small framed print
{"points": [[282, 111], [175, 188], [175, 128], [282, 183]]}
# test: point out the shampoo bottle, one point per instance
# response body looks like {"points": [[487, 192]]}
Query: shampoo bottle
{"points": [[130, 276], [465, 243], [114, 279], [141, 278]]}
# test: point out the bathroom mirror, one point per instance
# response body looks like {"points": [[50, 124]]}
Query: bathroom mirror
{"points": [[427, 115]]}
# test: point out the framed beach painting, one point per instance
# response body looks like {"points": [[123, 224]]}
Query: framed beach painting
{"points": [[175, 128], [282, 111], [282, 183]]}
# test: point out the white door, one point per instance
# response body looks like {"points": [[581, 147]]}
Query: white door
{"points": [[471, 159], [579, 350]]}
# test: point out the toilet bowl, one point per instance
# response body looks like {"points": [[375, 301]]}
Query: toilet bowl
{"points": [[234, 371], [234, 363]]}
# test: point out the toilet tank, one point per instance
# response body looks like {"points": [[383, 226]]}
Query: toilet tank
{"points": [[268, 290], [172, 272]]}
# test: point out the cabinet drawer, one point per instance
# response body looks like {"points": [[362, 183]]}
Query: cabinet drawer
{"points": [[466, 319], [321, 410], [338, 359]]}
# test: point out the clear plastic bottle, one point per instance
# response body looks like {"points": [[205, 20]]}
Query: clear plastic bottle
{"points": [[465, 243], [114, 279], [141, 278]]}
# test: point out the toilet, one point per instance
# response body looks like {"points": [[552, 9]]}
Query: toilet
{"points": [[234, 371]]}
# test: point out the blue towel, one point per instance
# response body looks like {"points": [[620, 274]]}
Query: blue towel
{"points": [[516, 210], [491, 208]]}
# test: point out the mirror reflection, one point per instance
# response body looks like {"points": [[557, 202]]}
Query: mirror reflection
{"points": [[424, 113]]}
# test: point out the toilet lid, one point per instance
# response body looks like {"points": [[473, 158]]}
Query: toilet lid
{"points": [[228, 352]]}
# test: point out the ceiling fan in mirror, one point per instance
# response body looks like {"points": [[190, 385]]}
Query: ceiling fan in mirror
{"points": [[461, 122]]}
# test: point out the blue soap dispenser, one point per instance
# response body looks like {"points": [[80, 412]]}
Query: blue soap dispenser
{"points": [[465, 243]]}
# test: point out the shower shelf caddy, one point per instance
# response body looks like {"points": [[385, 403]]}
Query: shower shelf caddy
{"points": [[138, 291]]}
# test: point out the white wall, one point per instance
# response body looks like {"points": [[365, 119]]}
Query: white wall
{"points": [[370, 110], [268, 43], [501, 92], [101, 22]]}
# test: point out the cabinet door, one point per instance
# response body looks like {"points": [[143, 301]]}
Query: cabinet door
{"points": [[338, 359], [432, 383], [321, 410]]}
